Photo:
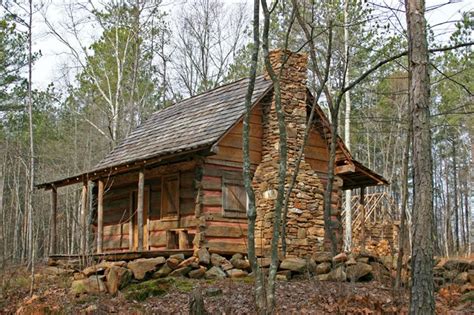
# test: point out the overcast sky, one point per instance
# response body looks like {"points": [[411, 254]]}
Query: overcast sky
{"points": [[55, 54]]}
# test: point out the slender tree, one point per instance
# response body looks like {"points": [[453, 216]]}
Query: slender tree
{"points": [[422, 289]]}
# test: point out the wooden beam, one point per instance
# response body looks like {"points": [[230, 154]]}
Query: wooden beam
{"points": [[344, 169], [90, 196], [84, 218], [362, 204], [54, 213], [140, 205], [100, 215]]}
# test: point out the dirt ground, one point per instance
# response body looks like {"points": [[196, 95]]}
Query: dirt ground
{"points": [[298, 296]]}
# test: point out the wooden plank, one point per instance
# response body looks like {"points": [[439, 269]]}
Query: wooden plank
{"points": [[235, 155], [235, 141], [211, 183], [116, 229], [225, 231], [100, 215], [217, 245], [256, 130], [183, 242], [317, 165], [344, 169], [83, 217], [317, 153], [140, 204]]}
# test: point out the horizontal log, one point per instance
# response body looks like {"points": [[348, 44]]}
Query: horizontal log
{"points": [[235, 141], [225, 231], [211, 183], [235, 155], [218, 245]]}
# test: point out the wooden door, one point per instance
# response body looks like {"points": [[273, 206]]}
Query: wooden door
{"points": [[146, 205]]}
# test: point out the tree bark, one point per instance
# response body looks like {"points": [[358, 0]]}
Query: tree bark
{"points": [[251, 210], [422, 289]]}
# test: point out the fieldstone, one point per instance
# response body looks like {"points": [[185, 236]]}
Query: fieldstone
{"points": [[237, 273], [461, 278], [239, 262], [215, 273], [93, 284], [203, 256], [323, 268], [162, 272], [78, 276], [339, 258], [337, 274], [102, 267], [323, 257], [180, 257], [351, 261], [264, 262], [283, 275], [141, 267], [381, 273], [190, 262], [294, 264], [217, 260], [357, 271], [173, 263], [364, 260], [117, 278], [197, 273], [180, 272]]}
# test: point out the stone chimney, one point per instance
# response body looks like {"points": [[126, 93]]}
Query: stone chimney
{"points": [[305, 224]]}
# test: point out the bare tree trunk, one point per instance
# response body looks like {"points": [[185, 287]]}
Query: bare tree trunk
{"points": [[283, 157], [455, 197], [31, 249], [403, 210], [347, 132], [422, 289], [251, 211]]}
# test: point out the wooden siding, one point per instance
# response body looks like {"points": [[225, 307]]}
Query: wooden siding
{"points": [[229, 148]]}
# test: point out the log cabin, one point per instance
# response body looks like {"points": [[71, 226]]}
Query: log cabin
{"points": [[175, 182]]}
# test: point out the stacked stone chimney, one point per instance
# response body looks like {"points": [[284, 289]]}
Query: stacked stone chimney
{"points": [[305, 224]]}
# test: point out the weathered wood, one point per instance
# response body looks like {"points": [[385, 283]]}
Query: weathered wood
{"points": [[100, 215], [140, 205], [83, 217], [343, 169], [131, 231], [183, 240], [54, 213], [362, 204]]}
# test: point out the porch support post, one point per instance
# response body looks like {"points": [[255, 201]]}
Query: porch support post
{"points": [[362, 204], [140, 201], [100, 215], [84, 217], [54, 214], [89, 219]]}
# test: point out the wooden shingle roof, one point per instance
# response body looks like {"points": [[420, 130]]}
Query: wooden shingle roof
{"points": [[189, 124]]}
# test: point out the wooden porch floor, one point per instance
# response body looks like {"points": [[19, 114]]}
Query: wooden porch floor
{"points": [[116, 256]]}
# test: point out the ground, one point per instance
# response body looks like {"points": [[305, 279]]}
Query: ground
{"points": [[301, 296]]}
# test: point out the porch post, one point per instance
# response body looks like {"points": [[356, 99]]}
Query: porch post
{"points": [[362, 204], [84, 217], [54, 213], [100, 215], [140, 201]]}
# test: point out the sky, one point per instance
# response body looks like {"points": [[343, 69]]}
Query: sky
{"points": [[54, 54]]}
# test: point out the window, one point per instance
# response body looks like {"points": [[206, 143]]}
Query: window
{"points": [[170, 196], [234, 195]]}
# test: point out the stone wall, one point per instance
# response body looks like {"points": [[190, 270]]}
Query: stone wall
{"points": [[305, 225]]}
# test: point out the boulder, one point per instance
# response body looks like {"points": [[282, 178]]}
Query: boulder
{"points": [[364, 260], [213, 292], [117, 278], [215, 273], [239, 262], [190, 262], [203, 256], [93, 284], [264, 262], [237, 273], [173, 263], [162, 272], [351, 261], [180, 256], [283, 275], [357, 271], [381, 273], [461, 278], [180, 272], [197, 273], [323, 257], [339, 258], [323, 268], [217, 260], [294, 264], [78, 276], [94, 270], [337, 274], [143, 266]]}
